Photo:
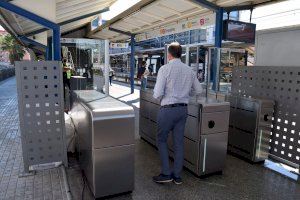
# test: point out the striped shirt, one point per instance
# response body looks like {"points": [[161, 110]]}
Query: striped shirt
{"points": [[175, 83]]}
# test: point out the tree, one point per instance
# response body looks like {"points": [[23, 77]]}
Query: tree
{"points": [[16, 51]]}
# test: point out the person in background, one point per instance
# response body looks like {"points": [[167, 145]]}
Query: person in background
{"points": [[141, 70], [175, 82], [144, 76], [150, 68], [66, 75], [111, 75]]}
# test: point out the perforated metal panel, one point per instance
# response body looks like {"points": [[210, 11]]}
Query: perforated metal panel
{"points": [[281, 84], [40, 96]]}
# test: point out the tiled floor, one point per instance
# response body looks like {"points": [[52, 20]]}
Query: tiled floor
{"points": [[47, 184], [240, 179]]}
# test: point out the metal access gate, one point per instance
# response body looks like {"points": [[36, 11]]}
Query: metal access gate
{"points": [[41, 114], [281, 84]]}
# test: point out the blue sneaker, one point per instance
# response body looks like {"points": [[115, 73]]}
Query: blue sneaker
{"points": [[177, 180], [162, 178]]}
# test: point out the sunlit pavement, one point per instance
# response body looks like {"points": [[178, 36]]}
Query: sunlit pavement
{"points": [[122, 92], [240, 180]]}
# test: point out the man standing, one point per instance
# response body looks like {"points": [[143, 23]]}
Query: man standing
{"points": [[144, 76], [174, 84]]}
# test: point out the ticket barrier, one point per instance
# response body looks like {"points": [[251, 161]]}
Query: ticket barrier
{"points": [[206, 132], [105, 142], [250, 127]]}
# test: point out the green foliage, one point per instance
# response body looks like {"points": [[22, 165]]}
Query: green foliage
{"points": [[16, 51]]}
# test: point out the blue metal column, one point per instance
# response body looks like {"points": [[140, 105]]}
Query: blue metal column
{"points": [[49, 49], [218, 44], [132, 63], [56, 44], [40, 20], [219, 28]]}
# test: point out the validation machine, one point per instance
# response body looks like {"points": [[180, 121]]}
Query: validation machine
{"points": [[205, 136], [250, 127], [105, 142]]}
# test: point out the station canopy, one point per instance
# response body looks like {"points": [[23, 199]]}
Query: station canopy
{"points": [[58, 11], [149, 15]]}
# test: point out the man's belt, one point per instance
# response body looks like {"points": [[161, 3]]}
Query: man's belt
{"points": [[174, 105]]}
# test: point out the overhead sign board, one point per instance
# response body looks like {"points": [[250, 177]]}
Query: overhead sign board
{"points": [[119, 45], [199, 22], [80, 41]]}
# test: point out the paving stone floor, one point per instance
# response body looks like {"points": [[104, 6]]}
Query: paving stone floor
{"points": [[240, 180], [44, 185]]}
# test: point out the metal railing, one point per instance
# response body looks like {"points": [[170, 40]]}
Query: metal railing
{"points": [[6, 72]]}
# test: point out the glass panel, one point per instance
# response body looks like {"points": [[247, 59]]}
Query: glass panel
{"points": [[212, 73], [183, 55], [201, 65], [168, 39], [198, 36], [83, 57], [149, 44], [193, 58], [230, 58], [182, 38]]}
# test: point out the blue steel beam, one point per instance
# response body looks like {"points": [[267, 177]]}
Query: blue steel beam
{"points": [[33, 42], [207, 4], [40, 20], [22, 12], [68, 21], [120, 31], [238, 8]]}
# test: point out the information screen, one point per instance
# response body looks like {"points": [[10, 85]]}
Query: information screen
{"points": [[239, 31]]}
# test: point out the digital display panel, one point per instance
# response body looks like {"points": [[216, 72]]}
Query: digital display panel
{"points": [[239, 31]]}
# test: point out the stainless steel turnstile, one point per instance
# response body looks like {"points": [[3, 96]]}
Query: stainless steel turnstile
{"points": [[206, 132], [250, 127], [105, 142]]}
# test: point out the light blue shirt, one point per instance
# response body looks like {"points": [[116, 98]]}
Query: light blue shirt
{"points": [[175, 83]]}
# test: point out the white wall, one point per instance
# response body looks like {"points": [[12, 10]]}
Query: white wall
{"points": [[43, 8], [41, 38], [278, 47], [285, 13]]}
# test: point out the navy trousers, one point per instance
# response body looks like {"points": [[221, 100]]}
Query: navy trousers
{"points": [[173, 120]]}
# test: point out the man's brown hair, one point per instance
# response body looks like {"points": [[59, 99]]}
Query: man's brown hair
{"points": [[175, 50]]}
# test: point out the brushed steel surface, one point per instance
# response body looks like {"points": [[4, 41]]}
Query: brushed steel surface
{"points": [[250, 127], [202, 112], [212, 105], [113, 132], [280, 84], [146, 97], [41, 112], [144, 128], [153, 111], [152, 129], [191, 127], [105, 142], [114, 170], [88, 95], [213, 149], [214, 122], [191, 150]]}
